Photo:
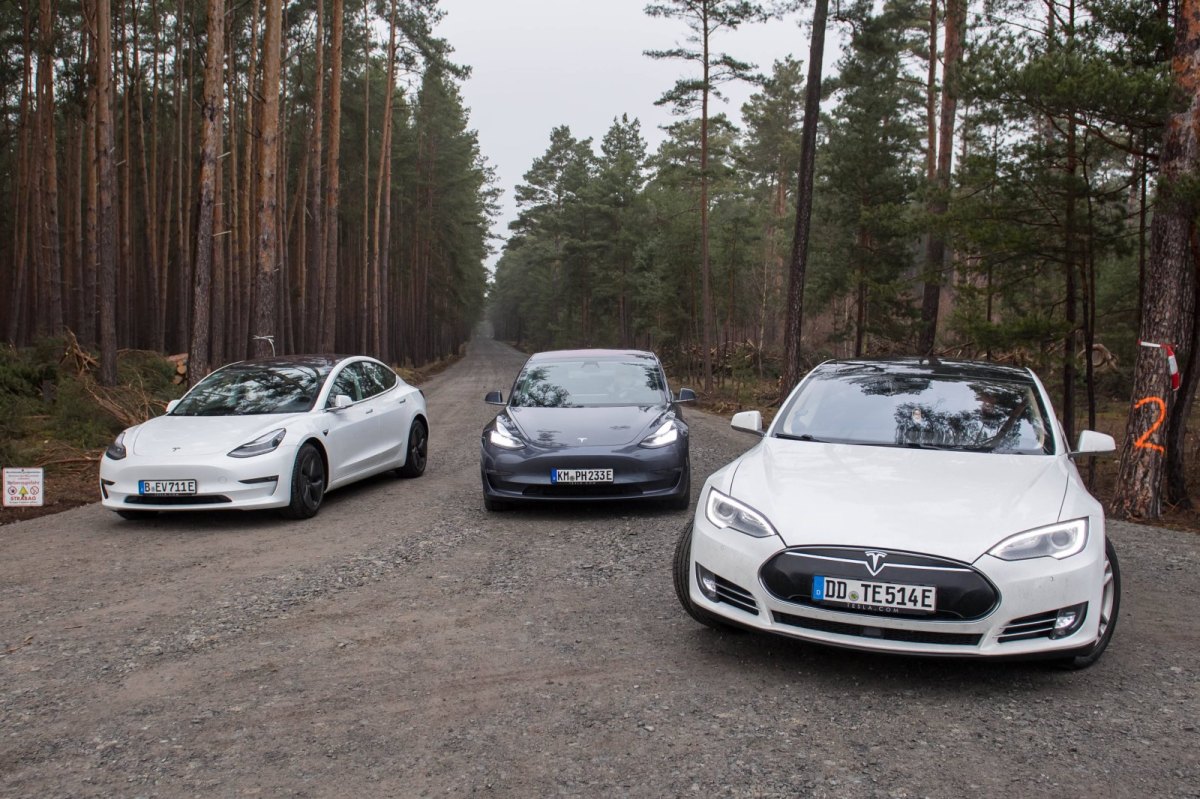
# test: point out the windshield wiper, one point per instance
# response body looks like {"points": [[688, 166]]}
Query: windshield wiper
{"points": [[801, 437]]}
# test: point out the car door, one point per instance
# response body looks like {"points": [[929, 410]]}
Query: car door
{"points": [[394, 411], [349, 432]]}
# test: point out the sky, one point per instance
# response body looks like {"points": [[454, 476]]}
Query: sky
{"points": [[537, 64]]}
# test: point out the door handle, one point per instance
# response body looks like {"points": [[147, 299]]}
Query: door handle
{"points": [[402, 400], [370, 410]]}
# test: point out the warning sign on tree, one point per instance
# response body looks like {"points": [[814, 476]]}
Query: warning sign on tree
{"points": [[24, 487]]}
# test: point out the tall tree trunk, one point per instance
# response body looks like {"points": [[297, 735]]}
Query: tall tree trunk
{"points": [[315, 266], [49, 190], [91, 247], [19, 306], [107, 179], [798, 265], [1169, 293], [382, 237], [266, 289], [329, 312], [199, 348], [935, 251], [705, 266]]}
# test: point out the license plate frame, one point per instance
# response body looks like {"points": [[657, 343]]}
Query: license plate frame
{"points": [[167, 488], [581, 476], [870, 595]]}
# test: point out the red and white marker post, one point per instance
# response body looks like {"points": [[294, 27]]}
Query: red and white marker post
{"points": [[1172, 364]]}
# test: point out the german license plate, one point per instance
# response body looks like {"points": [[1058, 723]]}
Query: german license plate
{"points": [[166, 488], [581, 476], [864, 595]]}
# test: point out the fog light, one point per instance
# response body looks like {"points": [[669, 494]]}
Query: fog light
{"points": [[708, 582], [1069, 620]]}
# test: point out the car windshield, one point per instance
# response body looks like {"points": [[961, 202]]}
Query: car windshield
{"points": [[870, 404], [583, 383], [246, 389]]}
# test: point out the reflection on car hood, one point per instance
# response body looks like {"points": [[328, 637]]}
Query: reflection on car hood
{"points": [[953, 504], [189, 436], [599, 427]]}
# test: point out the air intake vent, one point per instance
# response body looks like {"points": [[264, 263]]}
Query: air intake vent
{"points": [[735, 595], [195, 499], [1039, 625], [881, 633]]}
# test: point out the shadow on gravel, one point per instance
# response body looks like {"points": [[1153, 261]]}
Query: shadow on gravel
{"points": [[218, 520], [753, 654]]}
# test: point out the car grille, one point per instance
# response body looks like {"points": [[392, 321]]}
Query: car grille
{"points": [[583, 491], [963, 594], [198, 499], [1039, 625], [878, 633], [734, 594]]}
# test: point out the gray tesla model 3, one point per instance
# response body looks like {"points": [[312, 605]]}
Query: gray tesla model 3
{"points": [[587, 425]]}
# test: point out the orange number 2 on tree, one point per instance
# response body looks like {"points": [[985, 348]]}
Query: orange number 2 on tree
{"points": [[1142, 443]]}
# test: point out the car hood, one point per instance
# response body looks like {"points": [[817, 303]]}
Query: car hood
{"points": [[953, 504], [189, 436], [599, 427]]}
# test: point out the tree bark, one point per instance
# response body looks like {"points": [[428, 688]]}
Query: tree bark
{"points": [[199, 348], [106, 218], [328, 340], [266, 289], [1169, 294], [935, 252], [798, 265]]}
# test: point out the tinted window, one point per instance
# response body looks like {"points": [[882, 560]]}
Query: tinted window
{"points": [[588, 382], [347, 382], [867, 404], [254, 389], [379, 377]]}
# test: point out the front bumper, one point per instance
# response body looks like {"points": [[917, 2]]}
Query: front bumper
{"points": [[1029, 593], [638, 472], [227, 484]]}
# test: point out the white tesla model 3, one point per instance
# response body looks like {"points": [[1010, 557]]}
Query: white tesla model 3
{"points": [[909, 506], [269, 433]]}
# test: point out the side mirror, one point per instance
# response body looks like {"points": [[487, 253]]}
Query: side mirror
{"points": [[494, 398], [686, 395], [747, 422], [1093, 443], [172, 405], [341, 401]]}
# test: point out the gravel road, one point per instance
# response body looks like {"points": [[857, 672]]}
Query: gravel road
{"points": [[406, 643]]}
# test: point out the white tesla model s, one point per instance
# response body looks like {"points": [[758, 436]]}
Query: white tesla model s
{"points": [[269, 433], [911, 506]]}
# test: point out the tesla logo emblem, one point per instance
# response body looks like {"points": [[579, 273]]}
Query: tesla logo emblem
{"points": [[875, 562], [176, 449], [582, 440]]}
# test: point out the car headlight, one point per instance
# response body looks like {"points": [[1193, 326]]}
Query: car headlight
{"points": [[268, 442], [1060, 541], [667, 433], [116, 450], [724, 511], [500, 437]]}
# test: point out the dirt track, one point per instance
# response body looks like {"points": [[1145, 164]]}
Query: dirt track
{"points": [[406, 643]]}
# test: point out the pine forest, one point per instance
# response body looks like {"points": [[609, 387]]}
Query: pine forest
{"points": [[1010, 180]]}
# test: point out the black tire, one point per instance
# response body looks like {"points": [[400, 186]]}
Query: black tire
{"points": [[683, 500], [682, 573], [308, 484], [1110, 606], [418, 451], [137, 515]]}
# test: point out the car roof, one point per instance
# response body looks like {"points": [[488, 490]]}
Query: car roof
{"points": [[593, 354], [936, 367], [312, 361]]}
